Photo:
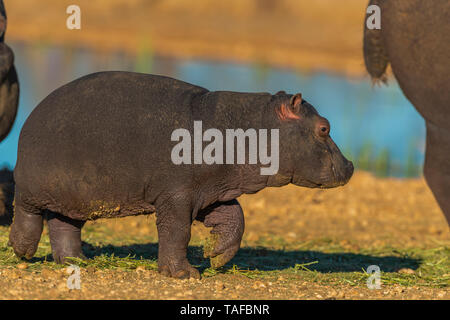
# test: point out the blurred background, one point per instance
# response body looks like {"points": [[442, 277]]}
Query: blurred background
{"points": [[312, 47]]}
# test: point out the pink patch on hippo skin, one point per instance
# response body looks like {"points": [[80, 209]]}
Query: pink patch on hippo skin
{"points": [[285, 113]]}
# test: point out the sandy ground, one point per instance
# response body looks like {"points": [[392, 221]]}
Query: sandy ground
{"points": [[367, 216], [298, 34], [146, 284]]}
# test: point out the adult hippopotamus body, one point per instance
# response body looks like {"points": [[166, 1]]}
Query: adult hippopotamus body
{"points": [[101, 147], [414, 39], [9, 84]]}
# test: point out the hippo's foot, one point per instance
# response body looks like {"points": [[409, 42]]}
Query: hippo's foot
{"points": [[182, 270], [26, 231], [65, 237], [227, 221]]}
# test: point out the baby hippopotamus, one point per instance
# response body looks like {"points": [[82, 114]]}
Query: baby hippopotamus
{"points": [[103, 146]]}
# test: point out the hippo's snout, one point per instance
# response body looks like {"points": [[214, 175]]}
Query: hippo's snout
{"points": [[347, 172], [342, 171]]}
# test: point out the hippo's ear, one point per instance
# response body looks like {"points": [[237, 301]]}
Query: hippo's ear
{"points": [[296, 101], [291, 111]]}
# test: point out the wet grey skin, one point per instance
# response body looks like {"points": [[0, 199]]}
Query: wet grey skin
{"points": [[9, 84], [100, 147], [414, 39]]}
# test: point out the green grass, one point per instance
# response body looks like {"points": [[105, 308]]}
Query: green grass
{"points": [[323, 261], [381, 163]]}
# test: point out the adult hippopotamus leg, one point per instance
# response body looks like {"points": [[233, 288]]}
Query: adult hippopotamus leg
{"points": [[173, 221], [26, 229], [227, 221], [65, 237], [9, 90], [2, 21], [437, 165], [9, 85], [6, 60]]}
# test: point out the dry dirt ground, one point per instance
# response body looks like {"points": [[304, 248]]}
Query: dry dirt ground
{"points": [[299, 34], [299, 244]]}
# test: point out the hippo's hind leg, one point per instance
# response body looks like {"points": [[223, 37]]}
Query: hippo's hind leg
{"points": [[437, 165], [227, 221], [65, 237], [26, 229]]}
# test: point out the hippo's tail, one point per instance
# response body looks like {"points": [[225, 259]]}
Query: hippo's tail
{"points": [[375, 55]]}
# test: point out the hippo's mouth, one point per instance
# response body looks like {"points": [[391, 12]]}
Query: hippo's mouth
{"points": [[327, 180], [325, 185], [309, 183]]}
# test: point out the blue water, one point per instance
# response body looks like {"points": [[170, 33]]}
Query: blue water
{"points": [[362, 117]]}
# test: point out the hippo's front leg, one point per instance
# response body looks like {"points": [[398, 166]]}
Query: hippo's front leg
{"points": [[227, 221], [173, 221]]}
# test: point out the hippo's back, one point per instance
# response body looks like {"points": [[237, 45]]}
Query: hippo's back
{"points": [[102, 136]]}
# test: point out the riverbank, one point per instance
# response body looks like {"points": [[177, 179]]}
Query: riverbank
{"points": [[295, 34]]}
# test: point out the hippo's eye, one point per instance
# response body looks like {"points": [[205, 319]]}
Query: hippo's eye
{"points": [[323, 127]]}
